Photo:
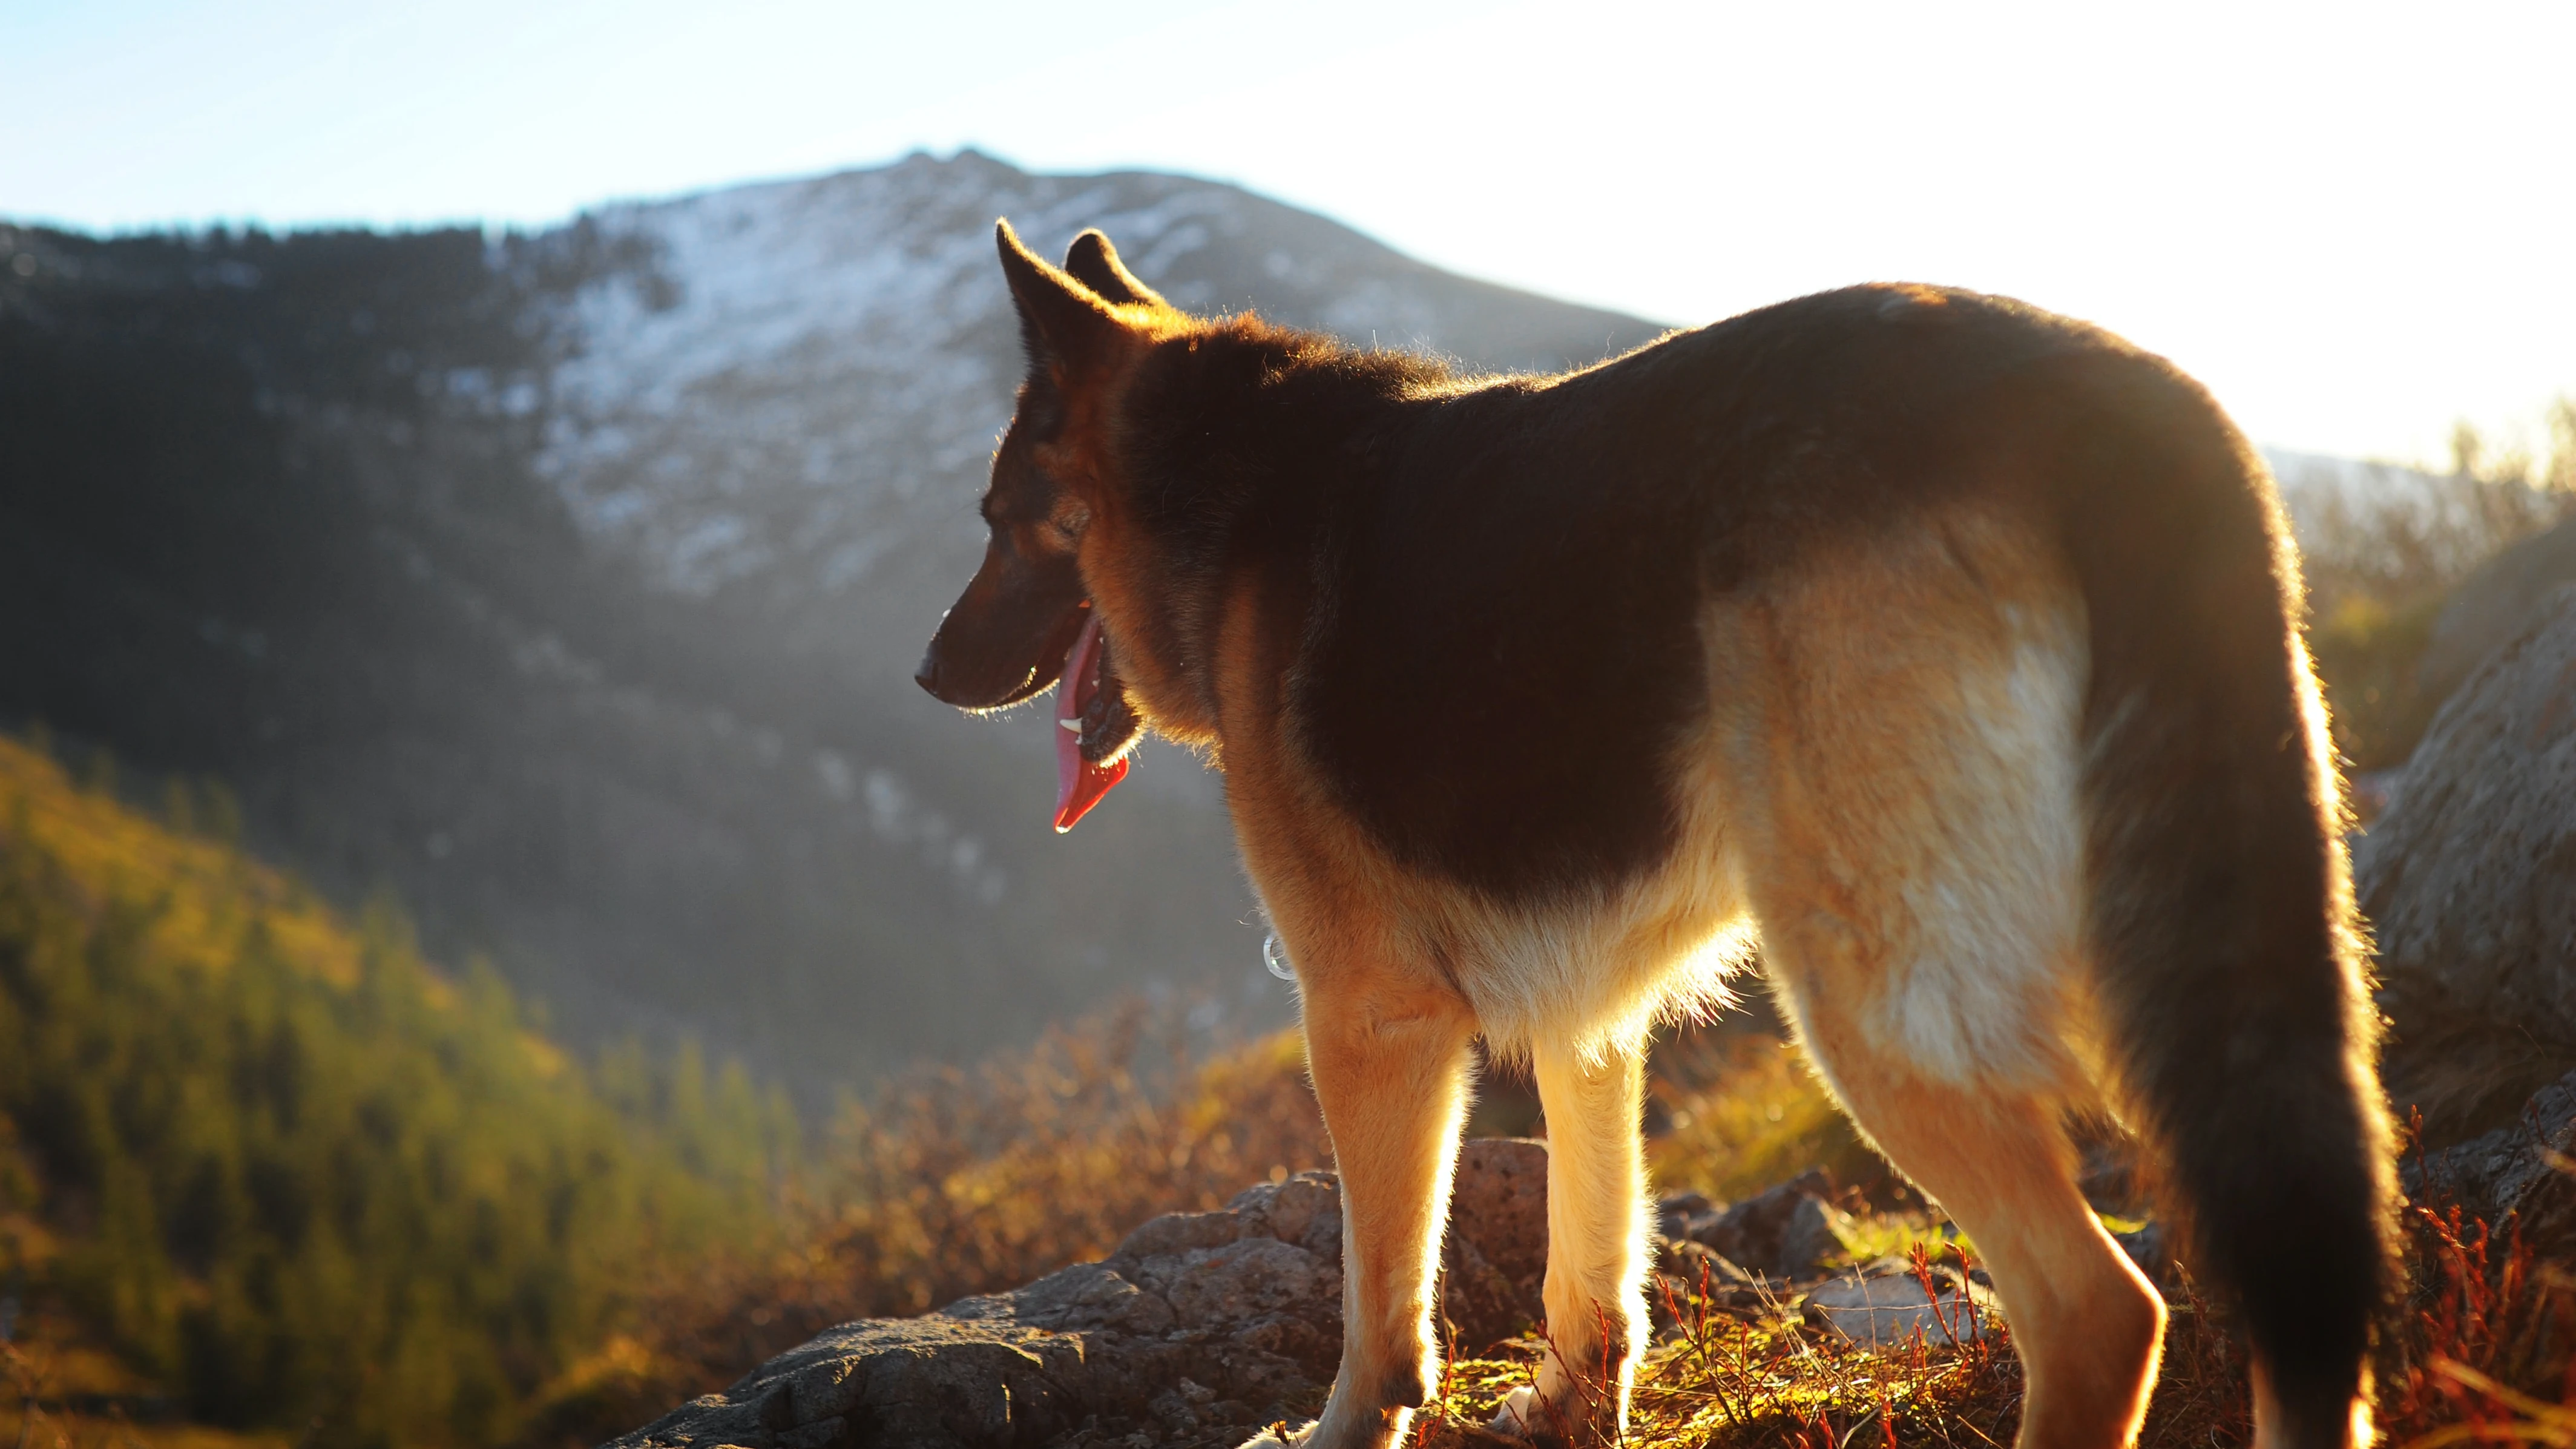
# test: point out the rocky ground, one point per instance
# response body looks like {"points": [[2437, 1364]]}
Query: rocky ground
{"points": [[1203, 1327]]}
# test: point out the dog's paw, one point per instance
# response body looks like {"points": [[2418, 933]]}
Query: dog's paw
{"points": [[1281, 1434], [1532, 1418], [1518, 1415]]}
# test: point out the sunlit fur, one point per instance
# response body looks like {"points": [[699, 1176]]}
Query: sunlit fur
{"points": [[1911, 798], [1989, 722]]}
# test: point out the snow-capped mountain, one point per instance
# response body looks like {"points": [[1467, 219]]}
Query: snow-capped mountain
{"points": [[797, 395]]}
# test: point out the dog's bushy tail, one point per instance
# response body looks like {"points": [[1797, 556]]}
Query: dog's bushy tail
{"points": [[2221, 918]]}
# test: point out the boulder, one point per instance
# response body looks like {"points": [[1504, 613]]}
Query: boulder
{"points": [[2469, 880], [1204, 1327]]}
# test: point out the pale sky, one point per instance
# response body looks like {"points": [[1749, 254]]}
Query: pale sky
{"points": [[2356, 222]]}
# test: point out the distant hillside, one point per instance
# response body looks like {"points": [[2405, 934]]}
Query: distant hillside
{"points": [[263, 1166], [570, 584]]}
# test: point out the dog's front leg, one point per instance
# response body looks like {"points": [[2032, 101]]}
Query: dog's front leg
{"points": [[1389, 1058], [1596, 1247]]}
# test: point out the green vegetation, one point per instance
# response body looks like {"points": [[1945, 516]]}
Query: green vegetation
{"points": [[287, 1175]]}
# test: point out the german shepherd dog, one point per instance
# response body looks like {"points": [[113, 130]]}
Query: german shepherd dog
{"points": [[1947, 647]]}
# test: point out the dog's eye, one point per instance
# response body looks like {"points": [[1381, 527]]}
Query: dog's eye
{"points": [[1064, 527]]}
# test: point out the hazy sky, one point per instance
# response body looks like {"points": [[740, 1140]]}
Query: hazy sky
{"points": [[2357, 222]]}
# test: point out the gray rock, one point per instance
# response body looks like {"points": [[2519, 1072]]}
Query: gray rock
{"points": [[1696, 1264], [1817, 1236], [925, 1383], [2493, 606], [2513, 1175], [1674, 1212], [1884, 1305], [1788, 1233], [2469, 880], [1246, 1281], [1494, 1260], [1203, 1326], [1692, 1278], [1305, 1210], [1181, 1232]]}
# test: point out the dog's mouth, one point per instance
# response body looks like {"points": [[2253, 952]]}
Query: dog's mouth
{"points": [[1095, 725]]}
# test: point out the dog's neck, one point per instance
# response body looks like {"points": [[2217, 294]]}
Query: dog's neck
{"points": [[1235, 444]]}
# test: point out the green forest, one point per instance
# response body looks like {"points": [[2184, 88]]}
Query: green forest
{"points": [[269, 1168], [270, 1177]]}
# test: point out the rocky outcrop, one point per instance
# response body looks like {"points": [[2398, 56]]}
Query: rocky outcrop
{"points": [[2469, 879], [1204, 1326], [1200, 1328]]}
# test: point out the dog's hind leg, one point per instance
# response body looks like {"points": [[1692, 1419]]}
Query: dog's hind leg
{"points": [[1596, 1247], [1389, 1057], [1919, 876], [1996, 1158]]}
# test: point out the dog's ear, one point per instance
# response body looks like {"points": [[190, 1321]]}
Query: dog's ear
{"points": [[1061, 320], [1093, 262]]}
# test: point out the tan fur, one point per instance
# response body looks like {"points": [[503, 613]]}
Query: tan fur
{"points": [[1910, 728], [1596, 1237]]}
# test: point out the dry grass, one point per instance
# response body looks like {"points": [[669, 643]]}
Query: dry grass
{"points": [[2478, 1353], [1735, 1379], [2480, 1348], [2485, 1349]]}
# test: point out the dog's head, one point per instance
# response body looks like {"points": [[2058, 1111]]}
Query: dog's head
{"points": [[1026, 619]]}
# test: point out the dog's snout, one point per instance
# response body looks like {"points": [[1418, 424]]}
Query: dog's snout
{"points": [[926, 673]]}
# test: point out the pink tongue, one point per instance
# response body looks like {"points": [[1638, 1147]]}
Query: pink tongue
{"points": [[1079, 784]]}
